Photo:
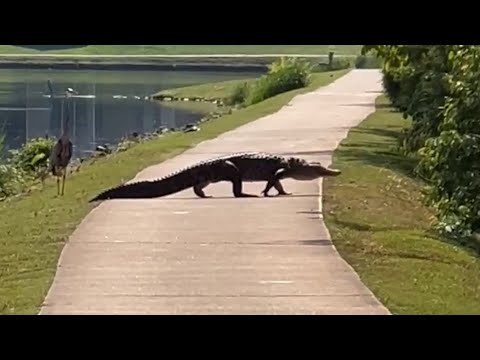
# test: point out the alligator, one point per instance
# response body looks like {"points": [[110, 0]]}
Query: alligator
{"points": [[235, 168]]}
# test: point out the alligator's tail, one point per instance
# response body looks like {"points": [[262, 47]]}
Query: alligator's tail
{"points": [[150, 189]]}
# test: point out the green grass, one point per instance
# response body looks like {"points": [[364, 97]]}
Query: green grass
{"points": [[202, 108], [35, 227], [190, 49], [218, 90], [379, 225]]}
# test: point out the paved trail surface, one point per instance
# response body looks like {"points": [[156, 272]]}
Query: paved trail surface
{"points": [[185, 255]]}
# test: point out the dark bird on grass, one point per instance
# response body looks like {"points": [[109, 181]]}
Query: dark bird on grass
{"points": [[63, 149]]}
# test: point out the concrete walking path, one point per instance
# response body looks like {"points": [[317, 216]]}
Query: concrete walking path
{"points": [[185, 255]]}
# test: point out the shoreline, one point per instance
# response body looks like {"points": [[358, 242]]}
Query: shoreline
{"points": [[231, 67], [214, 62]]}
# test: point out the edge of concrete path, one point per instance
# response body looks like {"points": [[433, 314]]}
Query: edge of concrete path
{"points": [[320, 202], [60, 261], [320, 206]]}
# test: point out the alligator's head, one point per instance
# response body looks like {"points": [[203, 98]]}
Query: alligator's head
{"points": [[306, 171]]}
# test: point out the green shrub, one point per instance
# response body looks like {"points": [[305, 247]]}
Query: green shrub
{"points": [[391, 87], [400, 70], [12, 180], [238, 96], [367, 62], [21, 166], [33, 155], [427, 99], [407, 79], [284, 75], [438, 86], [413, 80], [2, 144], [339, 64], [450, 160]]}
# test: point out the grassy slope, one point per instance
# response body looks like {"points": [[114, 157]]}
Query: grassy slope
{"points": [[34, 228], [381, 228], [219, 90], [191, 49]]}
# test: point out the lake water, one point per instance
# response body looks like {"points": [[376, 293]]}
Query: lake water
{"points": [[109, 104]]}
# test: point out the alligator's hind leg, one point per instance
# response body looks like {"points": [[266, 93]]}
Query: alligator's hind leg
{"points": [[233, 175], [198, 190], [237, 188]]}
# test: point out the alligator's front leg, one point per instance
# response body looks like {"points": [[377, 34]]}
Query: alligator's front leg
{"points": [[237, 189], [275, 182], [278, 186]]}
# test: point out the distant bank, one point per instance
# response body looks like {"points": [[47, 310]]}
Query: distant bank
{"points": [[188, 62], [177, 49]]}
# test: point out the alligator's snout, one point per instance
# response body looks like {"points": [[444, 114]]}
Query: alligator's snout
{"points": [[331, 172]]}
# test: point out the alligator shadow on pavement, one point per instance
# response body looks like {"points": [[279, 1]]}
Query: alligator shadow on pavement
{"points": [[232, 197], [313, 214], [310, 212], [323, 242], [212, 154]]}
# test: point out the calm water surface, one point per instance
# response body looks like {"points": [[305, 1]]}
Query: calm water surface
{"points": [[109, 104]]}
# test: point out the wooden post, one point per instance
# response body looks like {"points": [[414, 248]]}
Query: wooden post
{"points": [[330, 58]]}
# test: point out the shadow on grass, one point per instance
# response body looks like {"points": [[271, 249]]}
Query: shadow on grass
{"points": [[394, 135], [51, 47], [382, 159], [384, 107], [377, 144], [381, 151], [470, 247], [370, 104], [364, 227]]}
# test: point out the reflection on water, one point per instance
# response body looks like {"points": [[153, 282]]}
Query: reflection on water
{"points": [[108, 106]]}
